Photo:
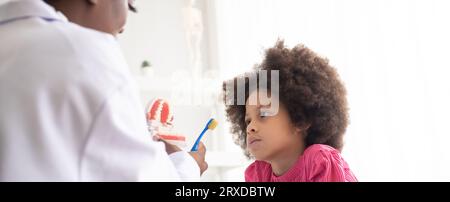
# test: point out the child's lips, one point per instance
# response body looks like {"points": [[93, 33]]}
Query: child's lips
{"points": [[253, 142]]}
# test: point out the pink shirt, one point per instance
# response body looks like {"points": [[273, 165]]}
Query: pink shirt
{"points": [[318, 163]]}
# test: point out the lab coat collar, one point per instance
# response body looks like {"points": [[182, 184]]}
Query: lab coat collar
{"points": [[21, 9]]}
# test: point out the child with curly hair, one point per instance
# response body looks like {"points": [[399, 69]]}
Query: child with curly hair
{"points": [[301, 140]]}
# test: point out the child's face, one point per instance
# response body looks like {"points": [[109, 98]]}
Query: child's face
{"points": [[271, 135]]}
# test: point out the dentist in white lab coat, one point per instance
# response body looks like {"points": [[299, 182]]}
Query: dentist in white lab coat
{"points": [[69, 109]]}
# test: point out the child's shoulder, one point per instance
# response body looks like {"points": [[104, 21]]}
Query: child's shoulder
{"points": [[320, 149], [258, 171], [320, 153], [325, 163], [258, 165]]}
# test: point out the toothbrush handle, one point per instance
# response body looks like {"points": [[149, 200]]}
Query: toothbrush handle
{"points": [[197, 142]]}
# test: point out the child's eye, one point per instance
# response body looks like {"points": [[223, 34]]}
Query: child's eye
{"points": [[264, 114], [247, 122]]}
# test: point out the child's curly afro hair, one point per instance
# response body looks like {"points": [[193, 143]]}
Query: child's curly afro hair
{"points": [[310, 89]]}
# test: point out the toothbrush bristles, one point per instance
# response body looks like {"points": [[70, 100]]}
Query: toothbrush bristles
{"points": [[213, 124]]}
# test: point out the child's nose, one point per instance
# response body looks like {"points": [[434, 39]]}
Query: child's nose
{"points": [[251, 128]]}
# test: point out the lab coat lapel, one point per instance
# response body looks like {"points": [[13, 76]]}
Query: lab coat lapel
{"points": [[16, 10]]}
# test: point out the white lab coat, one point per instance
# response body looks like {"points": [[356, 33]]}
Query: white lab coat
{"points": [[69, 109]]}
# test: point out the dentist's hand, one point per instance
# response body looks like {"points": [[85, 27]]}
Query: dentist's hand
{"points": [[199, 156], [170, 148]]}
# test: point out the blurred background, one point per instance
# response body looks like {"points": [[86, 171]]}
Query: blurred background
{"points": [[392, 56]]}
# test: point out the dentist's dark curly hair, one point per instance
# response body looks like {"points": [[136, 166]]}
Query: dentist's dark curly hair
{"points": [[309, 88]]}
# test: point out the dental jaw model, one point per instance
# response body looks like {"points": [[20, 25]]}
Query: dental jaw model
{"points": [[160, 122]]}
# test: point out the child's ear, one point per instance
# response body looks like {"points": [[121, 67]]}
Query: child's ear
{"points": [[303, 130], [299, 132]]}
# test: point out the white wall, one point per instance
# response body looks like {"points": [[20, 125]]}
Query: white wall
{"points": [[156, 33]]}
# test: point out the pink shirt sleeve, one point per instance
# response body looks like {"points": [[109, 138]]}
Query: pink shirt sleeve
{"points": [[250, 173], [327, 165], [258, 172]]}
